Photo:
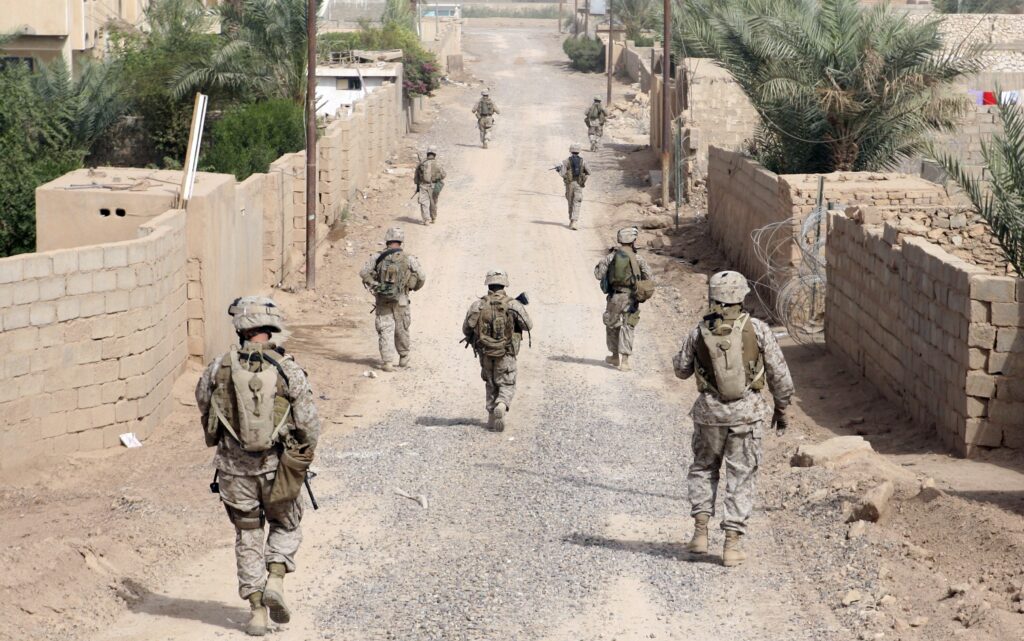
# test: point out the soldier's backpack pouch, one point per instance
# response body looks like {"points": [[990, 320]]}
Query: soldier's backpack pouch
{"points": [[644, 290], [291, 473]]}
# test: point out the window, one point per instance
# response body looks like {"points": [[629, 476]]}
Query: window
{"points": [[349, 84], [9, 61]]}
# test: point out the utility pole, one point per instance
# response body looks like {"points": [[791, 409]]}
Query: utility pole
{"points": [[586, 19], [311, 144], [666, 102], [561, 5], [608, 65]]}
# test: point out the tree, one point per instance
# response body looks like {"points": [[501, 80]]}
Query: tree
{"points": [[250, 137], [399, 12], [638, 16], [259, 54], [838, 86], [422, 74], [1000, 199]]}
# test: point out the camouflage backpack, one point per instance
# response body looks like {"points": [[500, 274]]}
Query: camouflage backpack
{"points": [[249, 400], [392, 274], [729, 361], [495, 325], [486, 108]]}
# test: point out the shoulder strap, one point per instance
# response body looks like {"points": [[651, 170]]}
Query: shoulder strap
{"points": [[384, 254]]}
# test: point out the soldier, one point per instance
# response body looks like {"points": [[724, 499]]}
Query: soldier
{"points": [[390, 276], [257, 408], [494, 326], [595, 118], [733, 356], [574, 173], [429, 179], [627, 280], [485, 110]]}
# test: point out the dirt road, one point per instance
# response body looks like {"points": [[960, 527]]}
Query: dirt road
{"points": [[568, 526]]}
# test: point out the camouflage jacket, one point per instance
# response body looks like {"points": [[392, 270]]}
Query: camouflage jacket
{"points": [[429, 172], [752, 408], [478, 108], [595, 115], [417, 279], [566, 172], [230, 457], [523, 321]]}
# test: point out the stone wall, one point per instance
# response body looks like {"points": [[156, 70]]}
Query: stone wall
{"points": [[444, 39], [94, 338], [940, 337], [719, 113]]}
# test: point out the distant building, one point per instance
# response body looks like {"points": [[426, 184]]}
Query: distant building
{"points": [[342, 84]]}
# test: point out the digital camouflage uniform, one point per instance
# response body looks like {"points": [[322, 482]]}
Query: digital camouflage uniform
{"points": [[393, 317], [485, 123], [499, 374], [246, 479], [429, 179], [730, 432], [595, 118], [621, 315], [574, 184]]}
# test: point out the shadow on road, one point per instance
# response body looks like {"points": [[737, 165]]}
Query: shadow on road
{"points": [[439, 421], [410, 220], [596, 362], [211, 613], [660, 549], [580, 482], [549, 222]]}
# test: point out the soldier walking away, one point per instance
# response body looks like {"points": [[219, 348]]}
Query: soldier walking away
{"points": [[485, 110], [494, 326], [390, 276], [257, 409], [595, 118], [429, 179], [734, 356], [574, 173], [627, 280]]}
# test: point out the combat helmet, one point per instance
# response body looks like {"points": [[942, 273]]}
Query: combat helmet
{"points": [[496, 277], [597, 98], [627, 235], [431, 150], [729, 288], [252, 312], [485, 93], [394, 235], [574, 148]]}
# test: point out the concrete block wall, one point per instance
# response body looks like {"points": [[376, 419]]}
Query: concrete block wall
{"points": [[93, 338], [719, 112], [940, 337]]}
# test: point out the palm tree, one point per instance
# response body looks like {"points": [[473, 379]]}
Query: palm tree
{"points": [[261, 52], [638, 16], [1000, 199], [86, 107], [838, 86]]}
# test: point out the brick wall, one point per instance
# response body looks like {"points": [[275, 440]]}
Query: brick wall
{"points": [[940, 337], [719, 113], [93, 339]]}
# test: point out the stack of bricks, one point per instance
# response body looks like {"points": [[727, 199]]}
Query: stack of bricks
{"points": [[94, 338], [940, 337]]}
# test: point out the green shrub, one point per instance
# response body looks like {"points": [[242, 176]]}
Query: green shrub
{"points": [[250, 137], [585, 54]]}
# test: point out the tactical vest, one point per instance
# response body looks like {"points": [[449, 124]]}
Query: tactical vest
{"points": [[249, 399], [594, 113], [425, 173], [495, 326], [729, 361], [486, 108], [393, 271], [623, 271]]}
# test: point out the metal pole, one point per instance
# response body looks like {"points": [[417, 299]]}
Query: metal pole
{"points": [[586, 19], [311, 144], [666, 103], [611, 32], [575, 14], [561, 6]]}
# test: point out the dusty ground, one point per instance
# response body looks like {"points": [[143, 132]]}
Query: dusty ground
{"points": [[571, 524]]}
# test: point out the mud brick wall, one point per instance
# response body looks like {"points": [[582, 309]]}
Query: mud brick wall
{"points": [[93, 338], [719, 112], [940, 337]]}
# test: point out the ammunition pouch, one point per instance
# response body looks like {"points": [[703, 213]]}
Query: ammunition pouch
{"points": [[246, 519]]}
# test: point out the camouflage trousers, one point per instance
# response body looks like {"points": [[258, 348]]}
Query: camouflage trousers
{"points": [[242, 497], [620, 323], [595, 133], [574, 198], [485, 125], [739, 448], [427, 200], [499, 376], [392, 324]]}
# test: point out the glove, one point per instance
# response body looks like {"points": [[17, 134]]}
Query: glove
{"points": [[779, 421]]}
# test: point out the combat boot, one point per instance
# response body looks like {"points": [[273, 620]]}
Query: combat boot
{"points": [[257, 626], [593, 146], [572, 224], [273, 594], [386, 366], [403, 361], [699, 541], [732, 553], [499, 417], [612, 360], [624, 363]]}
